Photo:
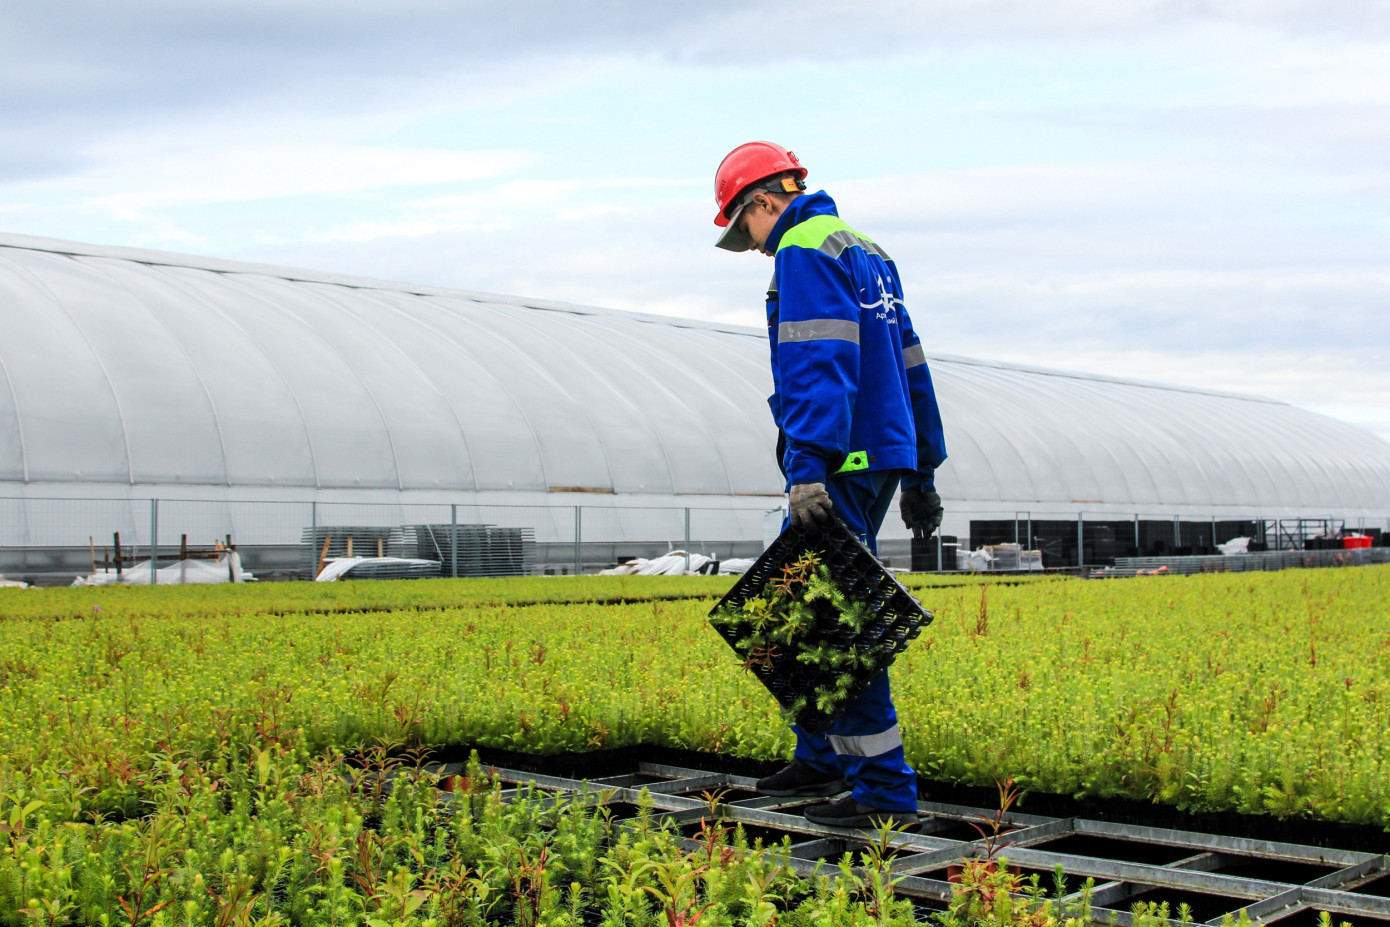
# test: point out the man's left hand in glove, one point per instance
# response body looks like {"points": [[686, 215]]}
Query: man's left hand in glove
{"points": [[921, 510]]}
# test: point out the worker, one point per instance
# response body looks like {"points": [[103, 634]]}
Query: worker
{"points": [[857, 416]]}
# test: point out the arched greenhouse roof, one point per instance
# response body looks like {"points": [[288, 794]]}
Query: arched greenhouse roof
{"points": [[127, 367]]}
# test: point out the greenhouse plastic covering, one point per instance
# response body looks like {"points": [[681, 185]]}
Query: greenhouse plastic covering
{"points": [[133, 368]]}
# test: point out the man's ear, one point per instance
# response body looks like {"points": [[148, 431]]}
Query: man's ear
{"points": [[767, 202]]}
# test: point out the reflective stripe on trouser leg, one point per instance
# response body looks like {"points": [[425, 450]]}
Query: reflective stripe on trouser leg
{"points": [[866, 744], [884, 780]]}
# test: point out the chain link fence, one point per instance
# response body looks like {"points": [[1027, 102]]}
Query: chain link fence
{"points": [[49, 541]]}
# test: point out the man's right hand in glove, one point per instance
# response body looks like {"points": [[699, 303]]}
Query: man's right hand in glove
{"points": [[810, 504], [921, 511]]}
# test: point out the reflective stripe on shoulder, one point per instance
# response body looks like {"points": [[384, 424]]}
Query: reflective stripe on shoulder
{"points": [[829, 234], [914, 356], [818, 330], [836, 242], [867, 744]]}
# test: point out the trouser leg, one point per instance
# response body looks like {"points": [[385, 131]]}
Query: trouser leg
{"points": [[864, 744], [816, 751], [869, 748]]}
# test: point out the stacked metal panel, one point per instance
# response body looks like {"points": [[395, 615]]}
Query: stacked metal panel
{"points": [[364, 539], [483, 550]]}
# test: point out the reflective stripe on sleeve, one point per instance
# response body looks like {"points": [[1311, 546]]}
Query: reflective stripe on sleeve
{"points": [[818, 330], [868, 744], [914, 356]]}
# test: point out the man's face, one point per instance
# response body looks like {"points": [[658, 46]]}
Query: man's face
{"points": [[757, 220]]}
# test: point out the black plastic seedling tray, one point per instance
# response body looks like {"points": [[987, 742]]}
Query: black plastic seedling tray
{"points": [[897, 617]]}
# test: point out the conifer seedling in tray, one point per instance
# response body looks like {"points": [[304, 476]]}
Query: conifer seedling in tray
{"points": [[816, 619]]}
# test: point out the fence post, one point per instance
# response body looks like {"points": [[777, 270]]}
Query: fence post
{"points": [[454, 541], [578, 535], [1081, 539], [1030, 530], [687, 539], [938, 550], [154, 542]]}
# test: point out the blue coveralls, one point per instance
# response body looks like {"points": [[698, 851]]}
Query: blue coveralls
{"points": [[851, 383]]}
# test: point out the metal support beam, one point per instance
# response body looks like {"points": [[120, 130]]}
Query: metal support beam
{"points": [[154, 542], [1080, 539]]}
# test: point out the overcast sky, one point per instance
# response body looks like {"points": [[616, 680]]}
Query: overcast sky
{"points": [[1191, 192]]}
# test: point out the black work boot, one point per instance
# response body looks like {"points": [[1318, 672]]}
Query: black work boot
{"points": [[846, 812], [799, 779]]}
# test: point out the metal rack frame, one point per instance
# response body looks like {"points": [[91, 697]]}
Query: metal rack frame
{"points": [[925, 853]]}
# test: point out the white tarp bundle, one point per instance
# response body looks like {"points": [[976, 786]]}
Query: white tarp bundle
{"points": [[11, 583], [976, 561], [225, 569], [1235, 546], [338, 567], [673, 564]]}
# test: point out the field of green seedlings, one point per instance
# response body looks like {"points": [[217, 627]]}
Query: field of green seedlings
{"points": [[172, 755]]}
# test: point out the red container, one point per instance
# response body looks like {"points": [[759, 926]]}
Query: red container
{"points": [[1354, 542]]}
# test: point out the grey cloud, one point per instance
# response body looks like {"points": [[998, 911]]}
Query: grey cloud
{"points": [[75, 72], [72, 74], [167, 54]]}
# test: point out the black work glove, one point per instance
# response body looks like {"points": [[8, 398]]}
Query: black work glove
{"points": [[921, 511], [810, 504]]}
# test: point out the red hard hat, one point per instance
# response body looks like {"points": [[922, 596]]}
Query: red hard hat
{"points": [[746, 165]]}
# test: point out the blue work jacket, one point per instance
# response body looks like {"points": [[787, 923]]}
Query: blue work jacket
{"points": [[852, 391]]}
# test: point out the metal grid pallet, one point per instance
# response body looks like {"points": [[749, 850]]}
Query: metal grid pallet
{"points": [[1240, 563], [1216, 875]]}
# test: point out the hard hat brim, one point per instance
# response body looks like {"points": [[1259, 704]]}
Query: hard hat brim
{"points": [[734, 238]]}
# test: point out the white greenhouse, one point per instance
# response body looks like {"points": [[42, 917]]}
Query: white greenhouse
{"points": [[144, 392]]}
